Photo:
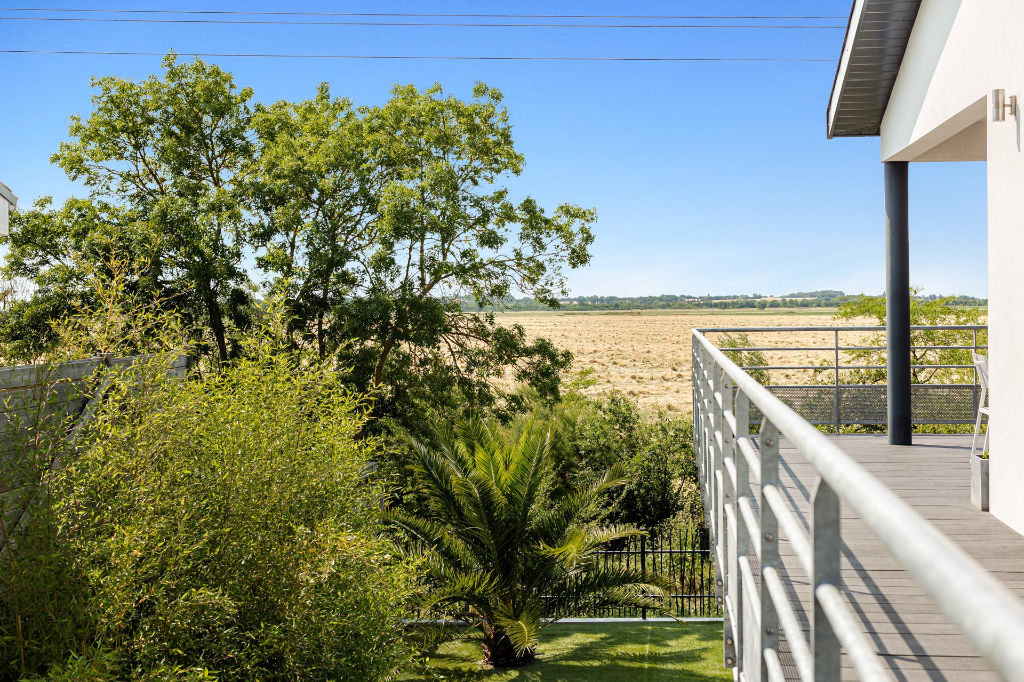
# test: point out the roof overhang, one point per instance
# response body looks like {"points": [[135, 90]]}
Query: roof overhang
{"points": [[8, 195], [876, 40]]}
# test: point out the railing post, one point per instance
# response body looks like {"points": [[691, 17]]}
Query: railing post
{"points": [[977, 394], [744, 612], [826, 544], [730, 530], [715, 432], [835, 405], [768, 542]]}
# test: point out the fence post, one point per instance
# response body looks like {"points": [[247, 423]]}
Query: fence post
{"points": [[769, 543], [643, 569], [744, 613], [826, 543], [836, 403], [715, 471], [977, 394], [730, 528]]}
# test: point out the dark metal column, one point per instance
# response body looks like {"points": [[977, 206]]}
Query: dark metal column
{"points": [[897, 301]]}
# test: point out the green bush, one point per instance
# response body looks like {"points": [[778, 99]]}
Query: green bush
{"points": [[498, 553], [223, 527], [655, 453]]}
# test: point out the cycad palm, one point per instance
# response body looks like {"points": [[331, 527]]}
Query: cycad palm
{"points": [[494, 543]]}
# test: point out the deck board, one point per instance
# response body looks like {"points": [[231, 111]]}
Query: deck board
{"points": [[915, 639]]}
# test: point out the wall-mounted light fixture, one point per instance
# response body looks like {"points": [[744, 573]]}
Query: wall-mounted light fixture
{"points": [[1000, 105]]}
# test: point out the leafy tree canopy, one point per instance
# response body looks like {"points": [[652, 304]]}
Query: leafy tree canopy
{"points": [[373, 224], [928, 346]]}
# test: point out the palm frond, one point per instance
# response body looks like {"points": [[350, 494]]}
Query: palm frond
{"points": [[436, 537], [522, 629], [578, 543]]}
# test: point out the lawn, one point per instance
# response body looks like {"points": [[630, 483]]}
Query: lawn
{"points": [[638, 652]]}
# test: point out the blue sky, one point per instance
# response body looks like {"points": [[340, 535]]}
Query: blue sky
{"points": [[707, 177]]}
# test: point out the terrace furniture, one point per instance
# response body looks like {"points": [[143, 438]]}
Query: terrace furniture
{"points": [[981, 369]]}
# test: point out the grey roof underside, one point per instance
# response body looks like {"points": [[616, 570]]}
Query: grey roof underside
{"points": [[6, 193], [877, 38]]}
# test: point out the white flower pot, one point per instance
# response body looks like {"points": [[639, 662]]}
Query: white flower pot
{"points": [[979, 482]]}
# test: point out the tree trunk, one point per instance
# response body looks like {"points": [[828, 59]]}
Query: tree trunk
{"points": [[385, 350], [216, 321], [320, 345], [499, 652]]}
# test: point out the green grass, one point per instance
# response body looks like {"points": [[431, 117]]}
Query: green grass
{"points": [[637, 652]]}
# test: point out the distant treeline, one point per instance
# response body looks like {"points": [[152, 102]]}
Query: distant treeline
{"points": [[802, 299]]}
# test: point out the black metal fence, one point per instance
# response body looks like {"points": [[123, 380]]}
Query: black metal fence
{"points": [[680, 556]]}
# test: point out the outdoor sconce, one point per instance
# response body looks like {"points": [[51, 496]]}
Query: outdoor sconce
{"points": [[1000, 105]]}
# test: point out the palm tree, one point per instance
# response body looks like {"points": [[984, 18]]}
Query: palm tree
{"points": [[496, 546]]}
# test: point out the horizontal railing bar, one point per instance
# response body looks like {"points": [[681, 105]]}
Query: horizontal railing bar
{"points": [[822, 367], [831, 368], [793, 529], [986, 612], [773, 665], [875, 328], [751, 522], [730, 419], [730, 468], [848, 630], [798, 646], [831, 386], [730, 515], [750, 587], [972, 347], [832, 349], [754, 349], [745, 444], [912, 367], [729, 609]]}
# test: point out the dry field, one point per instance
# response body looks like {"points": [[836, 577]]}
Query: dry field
{"points": [[647, 354]]}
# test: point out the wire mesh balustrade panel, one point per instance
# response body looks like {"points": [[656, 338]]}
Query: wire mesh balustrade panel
{"points": [[863, 404], [814, 403], [949, 404], [867, 404]]}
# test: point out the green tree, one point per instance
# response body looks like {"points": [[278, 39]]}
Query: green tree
{"points": [[170, 153], [63, 252], [381, 221], [746, 358], [375, 224], [492, 542], [923, 312], [317, 182]]}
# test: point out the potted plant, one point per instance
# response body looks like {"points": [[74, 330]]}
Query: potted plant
{"points": [[979, 480]]}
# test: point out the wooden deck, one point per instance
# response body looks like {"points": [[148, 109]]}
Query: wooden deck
{"points": [[914, 637]]}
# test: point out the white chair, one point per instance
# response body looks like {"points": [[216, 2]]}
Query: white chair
{"points": [[981, 368]]}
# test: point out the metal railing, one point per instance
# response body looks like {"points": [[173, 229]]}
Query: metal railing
{"points": [[831, 399], [745, 531]]}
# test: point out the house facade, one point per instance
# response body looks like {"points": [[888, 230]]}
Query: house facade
{"points": [[943, 81], [8, 202]]}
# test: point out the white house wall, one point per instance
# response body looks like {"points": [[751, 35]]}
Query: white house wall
{"points": [[959, 51]]}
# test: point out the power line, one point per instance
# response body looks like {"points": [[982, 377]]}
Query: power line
{"points": [[423, 57], [461, 24], [413, 14]]}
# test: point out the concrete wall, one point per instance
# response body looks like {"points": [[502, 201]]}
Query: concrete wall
{"points": [[959, 51]]}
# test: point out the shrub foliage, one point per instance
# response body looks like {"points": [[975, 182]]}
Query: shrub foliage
{"points": [[222, 526], [498, 551]]}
